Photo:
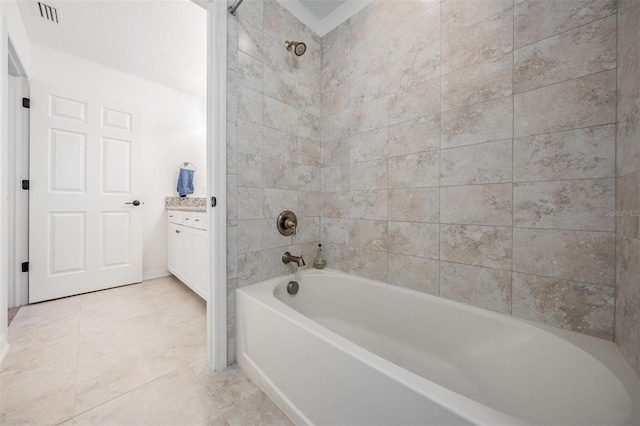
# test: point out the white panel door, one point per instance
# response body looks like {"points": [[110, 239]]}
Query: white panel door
{"points": [[85, 173]]}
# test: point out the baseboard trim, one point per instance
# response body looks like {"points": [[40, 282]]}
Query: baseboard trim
{"points": [[158, 273], [4, 348]]}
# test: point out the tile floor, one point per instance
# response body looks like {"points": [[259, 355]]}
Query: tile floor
{"points": [[133, 355]]}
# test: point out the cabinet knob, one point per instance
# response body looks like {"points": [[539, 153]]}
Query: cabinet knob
{"points": [[177, 231]]}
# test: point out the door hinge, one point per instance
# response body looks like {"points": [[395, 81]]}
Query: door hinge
{"points": [[213, 201], [26, 103], [25, 184], [25, 266]]}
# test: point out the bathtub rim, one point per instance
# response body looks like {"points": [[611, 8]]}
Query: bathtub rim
{"points": [[604, 351]]}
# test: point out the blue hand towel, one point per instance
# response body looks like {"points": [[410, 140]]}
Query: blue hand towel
{"points": [[185, 182]]}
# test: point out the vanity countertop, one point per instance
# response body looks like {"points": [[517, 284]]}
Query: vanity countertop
{"points": [[188, 204]]}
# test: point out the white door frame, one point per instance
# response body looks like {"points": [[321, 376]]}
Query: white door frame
{"points": [[18, 169], [4, 193], [217, 185], [17, 213], [8, 59], [216, 162]]}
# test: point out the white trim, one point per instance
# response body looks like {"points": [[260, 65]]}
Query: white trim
{"points": [[18, 202], [217, 167], [13, 289], [202, 3], [4, 348], [4, 267], [156, 273], [323, 26], [14, 60]]}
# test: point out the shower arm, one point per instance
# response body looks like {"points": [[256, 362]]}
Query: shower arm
{"points": [[236, 4]]}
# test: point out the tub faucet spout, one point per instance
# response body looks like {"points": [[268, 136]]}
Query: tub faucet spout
{"points": [[288, 257]]}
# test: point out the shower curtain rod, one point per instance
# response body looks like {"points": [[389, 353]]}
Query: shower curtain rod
{"points": [[236, 4]]}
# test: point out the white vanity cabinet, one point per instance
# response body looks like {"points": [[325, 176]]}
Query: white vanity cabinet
{"points": [[189, 250]]}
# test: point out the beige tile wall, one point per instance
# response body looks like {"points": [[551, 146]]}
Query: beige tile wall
{"points": [[273, 151], [464, 148], [627, 330], [468, 150]]}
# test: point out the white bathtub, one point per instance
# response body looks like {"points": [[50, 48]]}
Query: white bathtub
{"points": [[351, 351]]}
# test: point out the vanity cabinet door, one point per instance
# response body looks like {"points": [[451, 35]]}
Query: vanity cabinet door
{"points": [[201, 263], [181, 252], [174, 256]]}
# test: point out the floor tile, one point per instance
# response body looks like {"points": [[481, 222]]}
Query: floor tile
{"points": [[112, 296], [190, 339], [257, 409], [175, 399], [36, 361], [175, 308], [107, 377], [47, 400], [25, 333], [99, 337], [48, 311], [229, 387], [168, 287], [118, 308], [132, 355]]}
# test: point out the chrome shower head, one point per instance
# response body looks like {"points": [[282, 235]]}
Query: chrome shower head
{"points": [[298, 47]]}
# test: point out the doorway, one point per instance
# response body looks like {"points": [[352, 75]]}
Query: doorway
{"points": [[214, 185]]}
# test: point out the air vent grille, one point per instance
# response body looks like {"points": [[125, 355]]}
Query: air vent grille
{"points": [[49, 13]]}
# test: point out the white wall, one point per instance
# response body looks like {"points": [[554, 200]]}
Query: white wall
{"points": [[17, 32], [174, 130]]}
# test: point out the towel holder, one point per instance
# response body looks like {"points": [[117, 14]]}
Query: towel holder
{"points": [[186, 164]]}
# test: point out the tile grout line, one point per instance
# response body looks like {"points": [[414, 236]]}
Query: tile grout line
{"points": [[514, 48], [528, 91], [480, 225], [208, 393], [457, 185], [615, 188], [387, 156], [349, 112], [440, 165], [571, 280], [565, 81], [501, 98], [562, 32], [513, 130], [130, 390]]}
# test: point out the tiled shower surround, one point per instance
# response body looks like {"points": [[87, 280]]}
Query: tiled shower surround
{"points": [[273, 145], [464, 148], [468, 151]]}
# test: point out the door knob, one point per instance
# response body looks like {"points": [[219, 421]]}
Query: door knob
{"points": [[135, 203]]}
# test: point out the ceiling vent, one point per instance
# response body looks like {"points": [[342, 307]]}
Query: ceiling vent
{"points": [[48, 12]]}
